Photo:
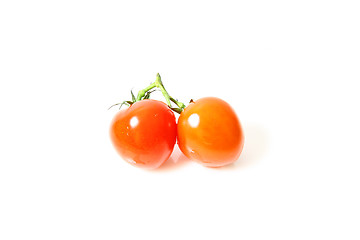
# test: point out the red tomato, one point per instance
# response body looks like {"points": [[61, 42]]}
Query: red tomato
{"points": [[210, 132], [145, 133]]}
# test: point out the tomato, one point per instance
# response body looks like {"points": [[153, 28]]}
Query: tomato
{"points": [[145, 133], [209, 132]]}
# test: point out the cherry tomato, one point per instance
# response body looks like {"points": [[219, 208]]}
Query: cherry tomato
{"points": [[145, 133], [210, 132]]}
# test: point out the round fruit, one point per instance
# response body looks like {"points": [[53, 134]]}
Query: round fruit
{"points": [[145, 133], [210, 132]]}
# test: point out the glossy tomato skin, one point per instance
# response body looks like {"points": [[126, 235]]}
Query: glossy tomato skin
{"points": [[145, 133], [210, 132]]}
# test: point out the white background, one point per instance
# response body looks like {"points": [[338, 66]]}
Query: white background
{"points": [[290, 69]]}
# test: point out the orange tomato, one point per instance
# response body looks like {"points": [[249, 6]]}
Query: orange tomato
{"points": [[209, 132]]}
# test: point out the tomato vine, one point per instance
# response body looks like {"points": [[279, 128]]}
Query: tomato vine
{"points": [[145, 94]]}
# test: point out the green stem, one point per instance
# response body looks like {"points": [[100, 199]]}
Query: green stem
{"points": [[142, 93], [158, 84], [179, 104]]}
